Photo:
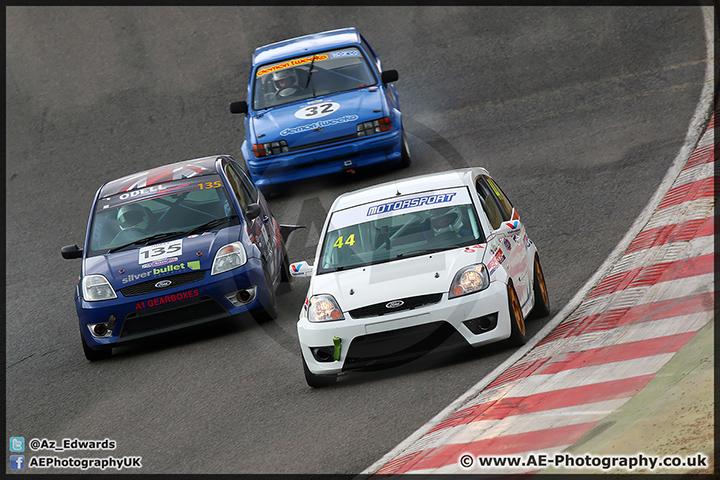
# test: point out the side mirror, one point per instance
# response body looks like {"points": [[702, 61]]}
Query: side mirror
{"points": [[507, 228], [253, 211], [301, 269], [239, 107], [389, 76], [71, 251]]}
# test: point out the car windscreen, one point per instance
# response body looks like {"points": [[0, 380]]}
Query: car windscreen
{"points": [[401, 227], [158, 213], [309, 76]]}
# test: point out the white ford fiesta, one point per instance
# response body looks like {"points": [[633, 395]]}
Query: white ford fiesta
{"points": [[404, 266]]}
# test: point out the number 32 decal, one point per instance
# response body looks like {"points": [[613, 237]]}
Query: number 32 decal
{"points": [[317, 111]]}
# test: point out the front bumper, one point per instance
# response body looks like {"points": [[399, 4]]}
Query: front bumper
{"points": [[173, 308], [324, 160], [404, 333]]}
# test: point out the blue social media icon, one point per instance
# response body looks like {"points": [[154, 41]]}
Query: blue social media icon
{"points": [[17, 462], [17, 444]]}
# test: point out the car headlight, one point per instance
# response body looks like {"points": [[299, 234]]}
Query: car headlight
{"points": [[228, 257], [96, 288], [324, 308], [470, 279]]}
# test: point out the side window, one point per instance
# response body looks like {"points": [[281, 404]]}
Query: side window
{"points": [[490, 203], [504, 202], [248, 187], [236, 186]]}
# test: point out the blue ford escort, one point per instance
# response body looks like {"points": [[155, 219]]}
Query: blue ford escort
{"points": [[317, 105], [176, 246]]}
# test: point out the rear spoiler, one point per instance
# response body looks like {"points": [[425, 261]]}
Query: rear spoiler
{"points": [[286, 230]]}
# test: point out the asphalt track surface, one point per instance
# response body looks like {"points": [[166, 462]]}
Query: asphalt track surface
{"points": [[577, 112]]}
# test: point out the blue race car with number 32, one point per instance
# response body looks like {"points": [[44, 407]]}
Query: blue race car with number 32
{"points": [[317, 105]]}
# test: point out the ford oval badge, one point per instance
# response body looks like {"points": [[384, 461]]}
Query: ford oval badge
{"points": [[395, 304], [163, 284]]}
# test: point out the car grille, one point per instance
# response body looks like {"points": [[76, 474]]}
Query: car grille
{"points": [[409, 303], [149, 287], [324, 142], [401, 345], [180, 314]]}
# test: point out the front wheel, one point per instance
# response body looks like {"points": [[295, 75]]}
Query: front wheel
{"points": [[94, 355], [267, 311], [517, 321], [542, 300], [317, 381]]}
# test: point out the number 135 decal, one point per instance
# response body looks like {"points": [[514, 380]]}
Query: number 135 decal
{"points": [[160, 251], [317, 111]]}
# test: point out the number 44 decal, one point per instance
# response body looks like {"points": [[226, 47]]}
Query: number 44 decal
{"points": [[350, 241]]}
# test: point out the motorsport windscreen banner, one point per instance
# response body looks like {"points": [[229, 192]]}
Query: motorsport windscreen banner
{"points": [[399, 206]]}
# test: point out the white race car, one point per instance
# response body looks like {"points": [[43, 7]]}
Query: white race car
{"points": [[404, 266]]}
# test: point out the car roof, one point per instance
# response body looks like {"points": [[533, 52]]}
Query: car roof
{"points": [[407, 186], [307, 43], [165, 173]]}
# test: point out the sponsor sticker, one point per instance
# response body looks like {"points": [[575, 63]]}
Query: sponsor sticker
{"points": [[153, 302], [290, 63], [399, 206], [319, 124]]}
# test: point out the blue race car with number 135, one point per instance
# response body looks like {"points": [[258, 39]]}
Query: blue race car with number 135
{"points": [[317, 105], [176, 246]]}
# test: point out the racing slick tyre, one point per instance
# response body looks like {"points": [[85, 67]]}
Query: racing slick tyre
{"points": [[94, 355], [517, 321], [542, 300], [317, 381], [268, 311], [286, 280], [405, 157]]}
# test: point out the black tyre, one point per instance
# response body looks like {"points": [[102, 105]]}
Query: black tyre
{"points": [[94, 355], [286, 280], [542, 300], [268, 311], [317, 381], [517, 321], [405, 158]]}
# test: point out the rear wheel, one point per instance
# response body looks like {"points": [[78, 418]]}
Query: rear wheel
{"points": [[517, 321], [542, 300], [317, 381], [94, 355]]}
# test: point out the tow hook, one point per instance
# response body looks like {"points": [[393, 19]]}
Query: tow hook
{"points": [[336, 354]]}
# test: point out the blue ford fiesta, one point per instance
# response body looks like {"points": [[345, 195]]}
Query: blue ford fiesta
{"points": [[176, 246], [317, 105]]}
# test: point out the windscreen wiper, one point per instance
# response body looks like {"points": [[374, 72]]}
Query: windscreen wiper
{"points": [[211, 224], [147, 240], [415, 253]]}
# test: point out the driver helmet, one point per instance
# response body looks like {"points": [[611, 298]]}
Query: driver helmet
{"points": [[286, 78], [133, 216], [450, 221]]}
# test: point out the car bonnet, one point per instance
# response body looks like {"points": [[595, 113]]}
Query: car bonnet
{"points": [[319, 120], [403, 278], [128, 267]]}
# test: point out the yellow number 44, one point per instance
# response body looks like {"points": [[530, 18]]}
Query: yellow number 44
{"points": [[350, 241]]}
